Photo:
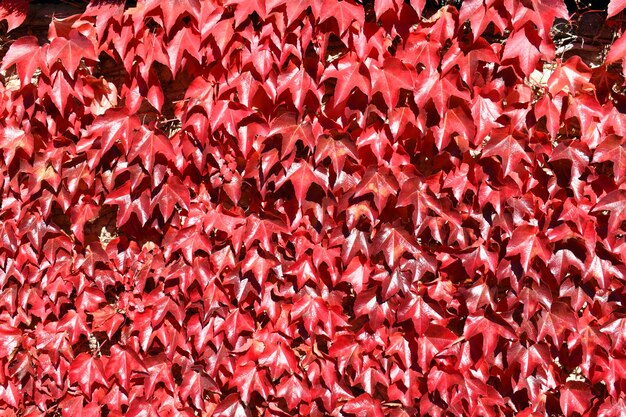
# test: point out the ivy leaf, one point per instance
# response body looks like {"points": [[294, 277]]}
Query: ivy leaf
{"points": [[291, 132], [13, 138], [279, 359], [390, 78], [185, 40], [174, 10], [231, 407], [344, 13], [301, 176], [122, 363], [393, 243], [349, 74], [10, 340], [294, 390], [158, 371], [172, 193], [86, 371], [508, 149], [363, 406], [379, 184], [338, 150], [14, 12], [25, 53], [527, 243], [70, 51], [147, 144], [522, 46], [612, 149]]}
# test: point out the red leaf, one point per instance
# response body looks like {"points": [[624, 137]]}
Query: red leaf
{"points": [[291, 131], [349, 74], [381, 185], [615, 7], [390, 78], [363, 406], [70, 51], [294, 391], [301, 176], [508, 149], [147, 144], [14, 11], [86, 371], [526, 242], [343, 12], [393, 243], [10, 340], [523, 46], [231, 407], [122, 363], [25, 53], [172, 193], [575, 398]]}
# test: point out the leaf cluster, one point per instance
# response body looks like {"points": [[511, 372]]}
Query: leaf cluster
{"points": [[276, 208]]}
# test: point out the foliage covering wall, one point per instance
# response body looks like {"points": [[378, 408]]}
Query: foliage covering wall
{"points": [[278, 208]]}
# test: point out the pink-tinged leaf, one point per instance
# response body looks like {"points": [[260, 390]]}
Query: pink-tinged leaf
{"points": [[299, 83], [185, 41], [248, 379], [115, 126], [612, 150], [147, 144], [231, 407], [418, 6], [259, 265], [615, 203], [523, 46], [343, 12], [575, 398], [421, 313], [547, 11], [615, 7], [435, 340], [554, 322], [10, 340], [228, 115], [382, 6], [379, 184], [14, 12], [195, 384], [75, 326], [364, 406], [158, 371], [70, 51], [174, 10], [291, 132], [13, 138], [545, 107], [490, 329], [294, 390], [25, 53], [508, 149], [572, 76], [338, 150]]}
